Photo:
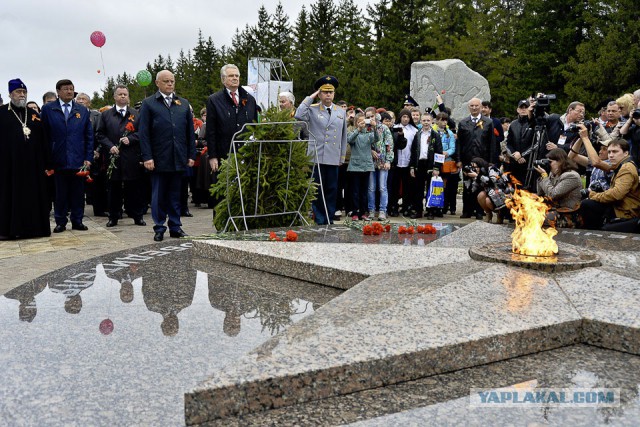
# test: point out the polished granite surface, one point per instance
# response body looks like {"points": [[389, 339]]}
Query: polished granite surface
{"points": [[116, 340], [121, 338], [419, 311], [443, 400]]}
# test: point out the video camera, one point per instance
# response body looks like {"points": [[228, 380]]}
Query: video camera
{"points": [[542, 103]]}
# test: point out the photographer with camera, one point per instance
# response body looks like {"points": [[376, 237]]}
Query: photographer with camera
{"points": [[567, 138], [631, 132], [618, 208], [597, 158], [490, 186], [560, 184]]}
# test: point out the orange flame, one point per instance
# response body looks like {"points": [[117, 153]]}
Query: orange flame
{"points": [[529, 238]]}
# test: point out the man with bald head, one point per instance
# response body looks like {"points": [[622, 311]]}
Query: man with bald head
{"points": [[475, 139], [168, 145]]}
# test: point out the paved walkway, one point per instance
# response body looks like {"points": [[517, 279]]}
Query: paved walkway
{"points": [[24, 260]]}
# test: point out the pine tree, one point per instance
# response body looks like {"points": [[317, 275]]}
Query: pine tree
{"points": [[606, 62], [270, 190], [302, 74]]}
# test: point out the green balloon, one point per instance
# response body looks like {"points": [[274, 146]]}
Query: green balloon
{"points": [[143, 78]]}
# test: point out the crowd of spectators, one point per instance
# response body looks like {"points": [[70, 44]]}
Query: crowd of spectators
{"points": [[585, 169]]}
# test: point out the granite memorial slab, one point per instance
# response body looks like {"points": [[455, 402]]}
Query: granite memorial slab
{"points": [[413, 321]]}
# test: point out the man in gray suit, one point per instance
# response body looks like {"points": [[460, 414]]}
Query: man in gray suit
{"points": [[328, 127]]}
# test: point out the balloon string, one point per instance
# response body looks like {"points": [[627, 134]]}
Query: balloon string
{"points": [[104, 72]]}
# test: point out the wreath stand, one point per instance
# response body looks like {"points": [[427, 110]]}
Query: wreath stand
{"points": [[249, 212]]}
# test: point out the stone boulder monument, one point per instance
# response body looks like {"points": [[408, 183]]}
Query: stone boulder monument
{"points": [[459, 82]]}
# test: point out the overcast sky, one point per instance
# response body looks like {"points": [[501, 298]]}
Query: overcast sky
{"points": [[43, 41]]}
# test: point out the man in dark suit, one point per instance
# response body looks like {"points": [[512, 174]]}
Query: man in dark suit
{"points": [[71, 136], [475, 139], [168, 146], [227, 111], [118, 135]]}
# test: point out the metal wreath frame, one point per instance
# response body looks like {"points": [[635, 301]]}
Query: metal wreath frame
{"points": [[233, 150]]}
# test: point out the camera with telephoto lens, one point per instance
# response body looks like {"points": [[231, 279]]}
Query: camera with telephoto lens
{"points": [[635, 114], [595, 186], [573, 127], [544, 164]]}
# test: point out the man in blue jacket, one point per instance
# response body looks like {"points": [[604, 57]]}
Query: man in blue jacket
{"points": [[70, 134], [168, 146]]}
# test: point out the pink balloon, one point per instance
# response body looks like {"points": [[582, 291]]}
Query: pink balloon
{"points": [[98, 38]]}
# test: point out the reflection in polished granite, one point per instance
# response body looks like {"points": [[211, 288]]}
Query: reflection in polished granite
{"points": [[443, 400], [420, 311], [122, 336]]}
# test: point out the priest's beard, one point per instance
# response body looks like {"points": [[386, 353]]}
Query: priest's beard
{"points": [[19, 103]]}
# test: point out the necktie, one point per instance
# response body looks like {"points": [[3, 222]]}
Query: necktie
{"points": [[167, 101], [66, 111], [329, 111], [235, 100], [121, 112]]}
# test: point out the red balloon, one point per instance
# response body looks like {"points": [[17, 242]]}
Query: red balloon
{"points": [[98, 71], [106, 327], [98, 38]]}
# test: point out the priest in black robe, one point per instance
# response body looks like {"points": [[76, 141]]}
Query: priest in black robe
{"points": [[24, 159]]}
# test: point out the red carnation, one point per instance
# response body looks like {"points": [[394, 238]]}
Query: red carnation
{"points": [[273, 236], [291, 236]]}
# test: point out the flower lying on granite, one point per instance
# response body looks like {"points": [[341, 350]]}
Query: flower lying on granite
{"points": [[426, 229], [374, 229], [291, 236], [274, 237]]}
